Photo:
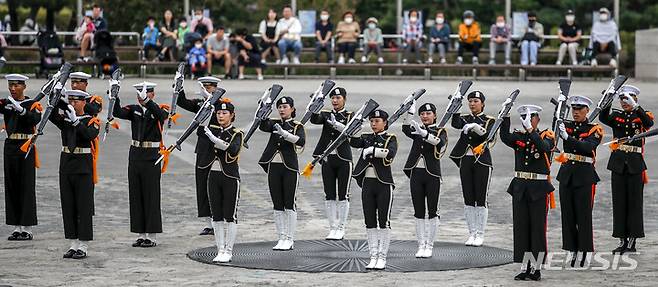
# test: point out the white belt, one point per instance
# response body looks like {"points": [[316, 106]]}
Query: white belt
{"points": [[370, 172], [19, 136], [216, 166], [77, 150], [630, 148], [530, 175], [579, 158], [145, 144], [421, 162], [277, 158]]}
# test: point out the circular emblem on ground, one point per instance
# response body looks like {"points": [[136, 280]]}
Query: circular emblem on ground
{"points": [[352, 256]]}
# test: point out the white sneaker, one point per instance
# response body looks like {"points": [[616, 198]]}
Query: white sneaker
{"points": [[475, 61], [278, 61], [594, 63], [241, 77], [430, 60], [443, 61], [508, 62], [613, 63], [364, 59], [558, 63], [351, 61], [262, 61], [404, 61], [331, 235], [459, 60], [492, 62], [260, 77], [574, 63], [421, 251], [533, 64], [341, 60], [478, 241], [380, 60], [381, 263], [372, 263], [470, 240], [295, 60]]}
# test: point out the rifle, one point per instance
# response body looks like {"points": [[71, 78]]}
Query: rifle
{"points": [[608, 96], [317, 99], [615, 143], [455, 101], [405, 106], [351, 128], [264, 109], [201, 116], [47, 88], [561, 107], [178, 85], [504, 112], [113, 94], [64, 72]]}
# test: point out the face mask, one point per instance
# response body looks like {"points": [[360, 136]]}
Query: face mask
{"points": [[349, 20], [372, 25], [468, 21], [198, 46], [500, 24], [151, 25], [183, 24], [413, 19], [198, 17], [603, 17], [570, 18], [439, 20], [324, 17]]}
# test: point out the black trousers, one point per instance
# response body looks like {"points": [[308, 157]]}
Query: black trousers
{"points": [[336, 178], [377, 200], [283, 186], [611, 48], [224, 195], [76, 192], [627, 193], [475, 179], [475, 47], [347, 48], [20, 197], [529, 218], [425, 188], [576, 206], [144, 196], [201, 177]]}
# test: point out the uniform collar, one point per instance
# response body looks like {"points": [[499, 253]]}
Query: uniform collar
{"points": [[288, 120], [226, 128], [381, 133], [338, 112], [431, 126]]}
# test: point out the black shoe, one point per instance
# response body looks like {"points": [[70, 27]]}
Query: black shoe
{"points": [[79, 255], [25, 236], [521, 276], [148, 243], [227, 76], [631, 245], [535, 275], [69, 254], [138, 242], [621, 248], [14, 236], [207, 231]]}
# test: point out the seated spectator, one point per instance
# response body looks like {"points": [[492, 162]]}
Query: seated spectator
{"points": [[347, 33], [3, 43], [412, 32], [201, 25], [373, 40], [99, 24], [469, 37], [569, 34], [531, 40], [28, 26], [86, 27], [501, 38], [218, 52], [196, 58], [290, 36], [249, 54], [150, 37], [269, 37], [180, 33], [168, 37], [605, 37], [439, 38], [323, 32]]}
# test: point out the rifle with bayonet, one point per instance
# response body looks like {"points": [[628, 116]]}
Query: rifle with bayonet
{"points": [[178, 86], [561, 107], [406, 105], [608, 96], [504, 112], [115, 86], [317, 99], [615, 143], [455, 102], [265, 104]]}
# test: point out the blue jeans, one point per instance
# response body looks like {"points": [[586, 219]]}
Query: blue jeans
{"points": [[285, 45], [529, 49]]}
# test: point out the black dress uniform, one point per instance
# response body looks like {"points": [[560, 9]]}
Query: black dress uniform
{"points": [[77, 173], [530, 188], [628, 172], [373, 174], [95, 102], [279, 160], [143, 174], [19, 171]]}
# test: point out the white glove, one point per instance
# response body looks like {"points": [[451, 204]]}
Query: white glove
{"points": [[70, 113], [468, 127], [219, 143], [561, 98], [526, 122], [58, 87], [418, 130], [563, 131], [114, 82], [16, 106], [368, 151], [412, 109], [479, 130], [628, 99], [506, 102], [287, 136], [336, 124], [142, 94]]}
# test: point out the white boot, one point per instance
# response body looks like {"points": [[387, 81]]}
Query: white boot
{"points": [[280, 223], [373, 246], [218, 228], [343, 213], [469, 215], [420, 236], [330, 210], [613, 63], [231, 234], [384, 242], [594, 63], [432, 226], [481, 222], [289, 243]]}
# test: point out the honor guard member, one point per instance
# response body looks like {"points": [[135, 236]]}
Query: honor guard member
{"points": [[628, 168], [77, 169], [423, 168], [21, 115], [224, 180], [578, 178], [474, 171], [79, 81], [279, 160], [204, 152], [530, 187], [337, 168], [373, 174], [146, 119]]}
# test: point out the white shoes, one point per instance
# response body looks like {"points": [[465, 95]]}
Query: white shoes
{"points": [[381, 264], [421, 251], [558, 63], [223, 257], [380, 60], [339, 234], [285, 61], [278, 61], [613, 63], [428, 251], [331, 235], [478, 241], [260, 77], [475, 61], [429, 60], [241, 77], [364, 59], [341, 60], [470, 240], [459, 60], [443, 61], [594, 63], [372, 263], [295, 60]]}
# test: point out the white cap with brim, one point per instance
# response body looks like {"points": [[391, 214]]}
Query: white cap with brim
{"points": [[76, 94], [149, 86], [628, 89], [211, 80], [578, 100], [79, 76], [16, 78], [528, 109]]}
